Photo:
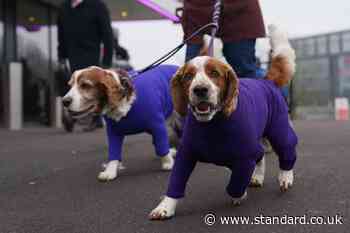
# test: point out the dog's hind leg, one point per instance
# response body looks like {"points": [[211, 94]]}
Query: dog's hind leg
{"points": [[284, 140], [161, 144], [258, 176]]}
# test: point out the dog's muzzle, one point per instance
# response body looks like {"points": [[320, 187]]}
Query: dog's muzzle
{"points": [[201, 92]]}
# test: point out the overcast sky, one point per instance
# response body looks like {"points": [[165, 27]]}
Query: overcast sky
{"points": [[149, 40], [307, 17]]}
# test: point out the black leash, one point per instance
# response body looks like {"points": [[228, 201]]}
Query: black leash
{"points": [[216, 16], [214, 25]]}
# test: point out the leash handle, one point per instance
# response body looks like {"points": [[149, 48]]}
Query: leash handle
{"points": [[216, 16]]}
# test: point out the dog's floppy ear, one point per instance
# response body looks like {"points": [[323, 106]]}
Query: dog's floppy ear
{"points": [[73, 77], [180, 98], [108, 85], [127, 86], [231, 91]]}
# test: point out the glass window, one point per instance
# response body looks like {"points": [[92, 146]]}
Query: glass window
{"points": [[334, 44], [322, 45], [1, 62], [309, 47], [296, 47], [300, 48], [312, 84], [344, 75], [346, 41], [33, 52]]}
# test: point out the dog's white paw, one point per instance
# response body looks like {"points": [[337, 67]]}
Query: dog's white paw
{"points": [[107, 176], [168, 164], [172, 152], [285, 179], [257, 181], [238, 201], [121, 166], [110, 172], [168, 160], [165, 209], [258, 176]]}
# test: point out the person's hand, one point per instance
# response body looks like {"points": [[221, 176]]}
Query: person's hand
{"points": [[62, 64]]}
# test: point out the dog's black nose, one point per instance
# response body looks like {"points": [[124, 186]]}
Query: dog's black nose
{"points": [[66, 101], [200, 91]]}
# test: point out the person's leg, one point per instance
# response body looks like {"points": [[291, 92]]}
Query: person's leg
{"points": [[241, 56], [192, 50]]}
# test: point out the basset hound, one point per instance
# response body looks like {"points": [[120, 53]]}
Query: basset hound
{"points": [[225, 120]]}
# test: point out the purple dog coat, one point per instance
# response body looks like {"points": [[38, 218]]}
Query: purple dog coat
{"points": [[153, 105], [234, 142]]}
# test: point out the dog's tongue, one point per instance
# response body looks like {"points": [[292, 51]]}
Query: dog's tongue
{"points": [[203, 107]]}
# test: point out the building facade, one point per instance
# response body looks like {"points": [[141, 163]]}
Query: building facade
{"points": [[28, 39], [323, 73]]}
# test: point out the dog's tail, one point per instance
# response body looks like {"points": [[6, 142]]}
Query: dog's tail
{"points": [[282, 67]]}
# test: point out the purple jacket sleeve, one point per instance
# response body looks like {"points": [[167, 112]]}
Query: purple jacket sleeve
{"points": [[184, 165], [284, 146], [160, 137], [115, 142], [242, 171]]}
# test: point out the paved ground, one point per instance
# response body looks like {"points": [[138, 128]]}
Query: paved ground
{"points": [[48, 184]]}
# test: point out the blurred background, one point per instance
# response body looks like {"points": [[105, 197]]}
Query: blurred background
{"points": [[319, 31]]}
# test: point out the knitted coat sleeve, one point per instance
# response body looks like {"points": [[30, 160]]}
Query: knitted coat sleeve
{"points": [[115, 141], [184, 165]]}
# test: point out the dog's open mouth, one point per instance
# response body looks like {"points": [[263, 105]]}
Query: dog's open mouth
{"points": [[83, 113], [203, 108]]}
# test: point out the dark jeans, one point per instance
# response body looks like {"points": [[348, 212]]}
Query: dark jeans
{"points": [[240, 55]]}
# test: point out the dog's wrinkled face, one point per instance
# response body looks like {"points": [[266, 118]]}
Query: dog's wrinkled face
{"points": [[207, 85], [94, 90]]}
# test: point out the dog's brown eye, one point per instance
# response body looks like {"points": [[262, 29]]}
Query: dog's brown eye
{"points": [[215, 74], [187, 77], [85, 86]]}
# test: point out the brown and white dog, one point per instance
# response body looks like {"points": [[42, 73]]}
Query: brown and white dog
{"points": [[99, 91], [129, 107], [210, 87]]}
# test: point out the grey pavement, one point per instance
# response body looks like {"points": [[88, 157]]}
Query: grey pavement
{"points": [[48, 185]]}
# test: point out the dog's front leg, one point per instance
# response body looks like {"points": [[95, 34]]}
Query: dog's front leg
{"points": [[258, 176], [110, 172], [238, 201], [165, 209]]}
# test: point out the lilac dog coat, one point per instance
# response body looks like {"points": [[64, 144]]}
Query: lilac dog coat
{"points": [[153, 105], [234, 142]]}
